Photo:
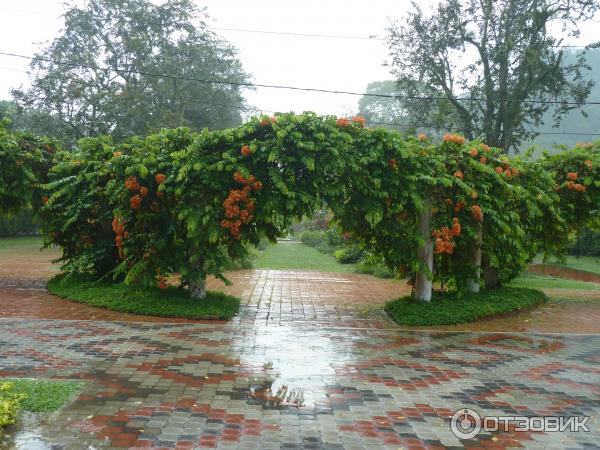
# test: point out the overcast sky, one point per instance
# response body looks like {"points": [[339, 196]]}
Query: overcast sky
{"points": [[329, 63]]}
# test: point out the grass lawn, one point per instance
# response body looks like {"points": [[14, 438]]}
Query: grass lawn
{"points": [[448, 309], [295, 255], [28, 243], [538, 281], [42, 395], [587, 263], [170, 302]]}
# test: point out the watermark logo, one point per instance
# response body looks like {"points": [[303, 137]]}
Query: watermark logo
{"points": [[466, 423]]}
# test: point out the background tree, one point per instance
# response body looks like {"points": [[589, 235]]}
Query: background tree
{"points": [[382, 109], [496, 56], [98, 76]]}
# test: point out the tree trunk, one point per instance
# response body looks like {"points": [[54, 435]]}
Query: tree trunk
{"points": [[490, 276], [197, 276], [473, 283], [197, 286], [423, 282]]}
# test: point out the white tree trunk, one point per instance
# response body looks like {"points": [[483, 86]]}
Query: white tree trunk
{"points": [[474, 283], [423, 282]]}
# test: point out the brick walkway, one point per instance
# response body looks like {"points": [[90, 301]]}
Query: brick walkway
{"points": [[298, 368]]}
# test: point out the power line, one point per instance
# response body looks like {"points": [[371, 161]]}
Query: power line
{"points": [[292, 88], [370, 37]]}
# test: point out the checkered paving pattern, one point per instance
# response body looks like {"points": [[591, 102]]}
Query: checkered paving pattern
{"points": [[296, 386]]}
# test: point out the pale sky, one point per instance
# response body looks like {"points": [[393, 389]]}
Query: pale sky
{"points": [[327, 63]]}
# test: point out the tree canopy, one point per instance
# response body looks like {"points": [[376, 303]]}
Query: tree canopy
{"points": [[102, 74], [491, 62]]}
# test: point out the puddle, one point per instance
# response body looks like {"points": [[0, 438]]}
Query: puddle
{"points": [[26, 434], [296, 365]]}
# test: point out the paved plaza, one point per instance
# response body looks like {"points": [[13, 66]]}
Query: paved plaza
{"points": [[305, 365]]}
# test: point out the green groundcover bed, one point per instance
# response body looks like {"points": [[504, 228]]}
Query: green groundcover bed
{"points": [[41, 395], [450, 308], [170, 302]]}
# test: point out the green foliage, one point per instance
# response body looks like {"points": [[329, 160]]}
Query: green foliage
{"points": [[170, 302], [587, 243], [44, 396], [10, 403], [348, 255], [449, 308], [312, 238], [189, 203], [24, 162], [22, 223]]}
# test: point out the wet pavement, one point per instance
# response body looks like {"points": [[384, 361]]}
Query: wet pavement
{"points": [[308, 363]]}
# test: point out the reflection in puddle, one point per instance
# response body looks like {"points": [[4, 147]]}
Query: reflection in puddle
{"points": [[27, 434], [283, 397], [296, 366]]}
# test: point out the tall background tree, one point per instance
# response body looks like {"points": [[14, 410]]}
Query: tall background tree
{"points": [[496, 56], [99, 74]]}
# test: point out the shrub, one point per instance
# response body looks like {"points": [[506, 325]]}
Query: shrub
{"points": [[22, 223], [370, 264], [312, 238], [348, 255], [10, 404], [586, 244]]}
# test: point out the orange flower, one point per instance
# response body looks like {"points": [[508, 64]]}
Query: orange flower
{"points": [[570, 185], [572, 176], [507, 173], [245, 150], [160, 178], [514, 171], [342, 122], [144, 191], [117, 154], [135, 202], [456, 228], [393, 164], [131, 183], [459, 205], [455, 138], [499, 170], [126, 235], [359, 120], [265, 121], [45, 199], [580, 187], [485, 148], [458, 174], [474, 152], [483, 160], [422, 137], [257, 186], [477, 213], [474, 195], [588, 163]]}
